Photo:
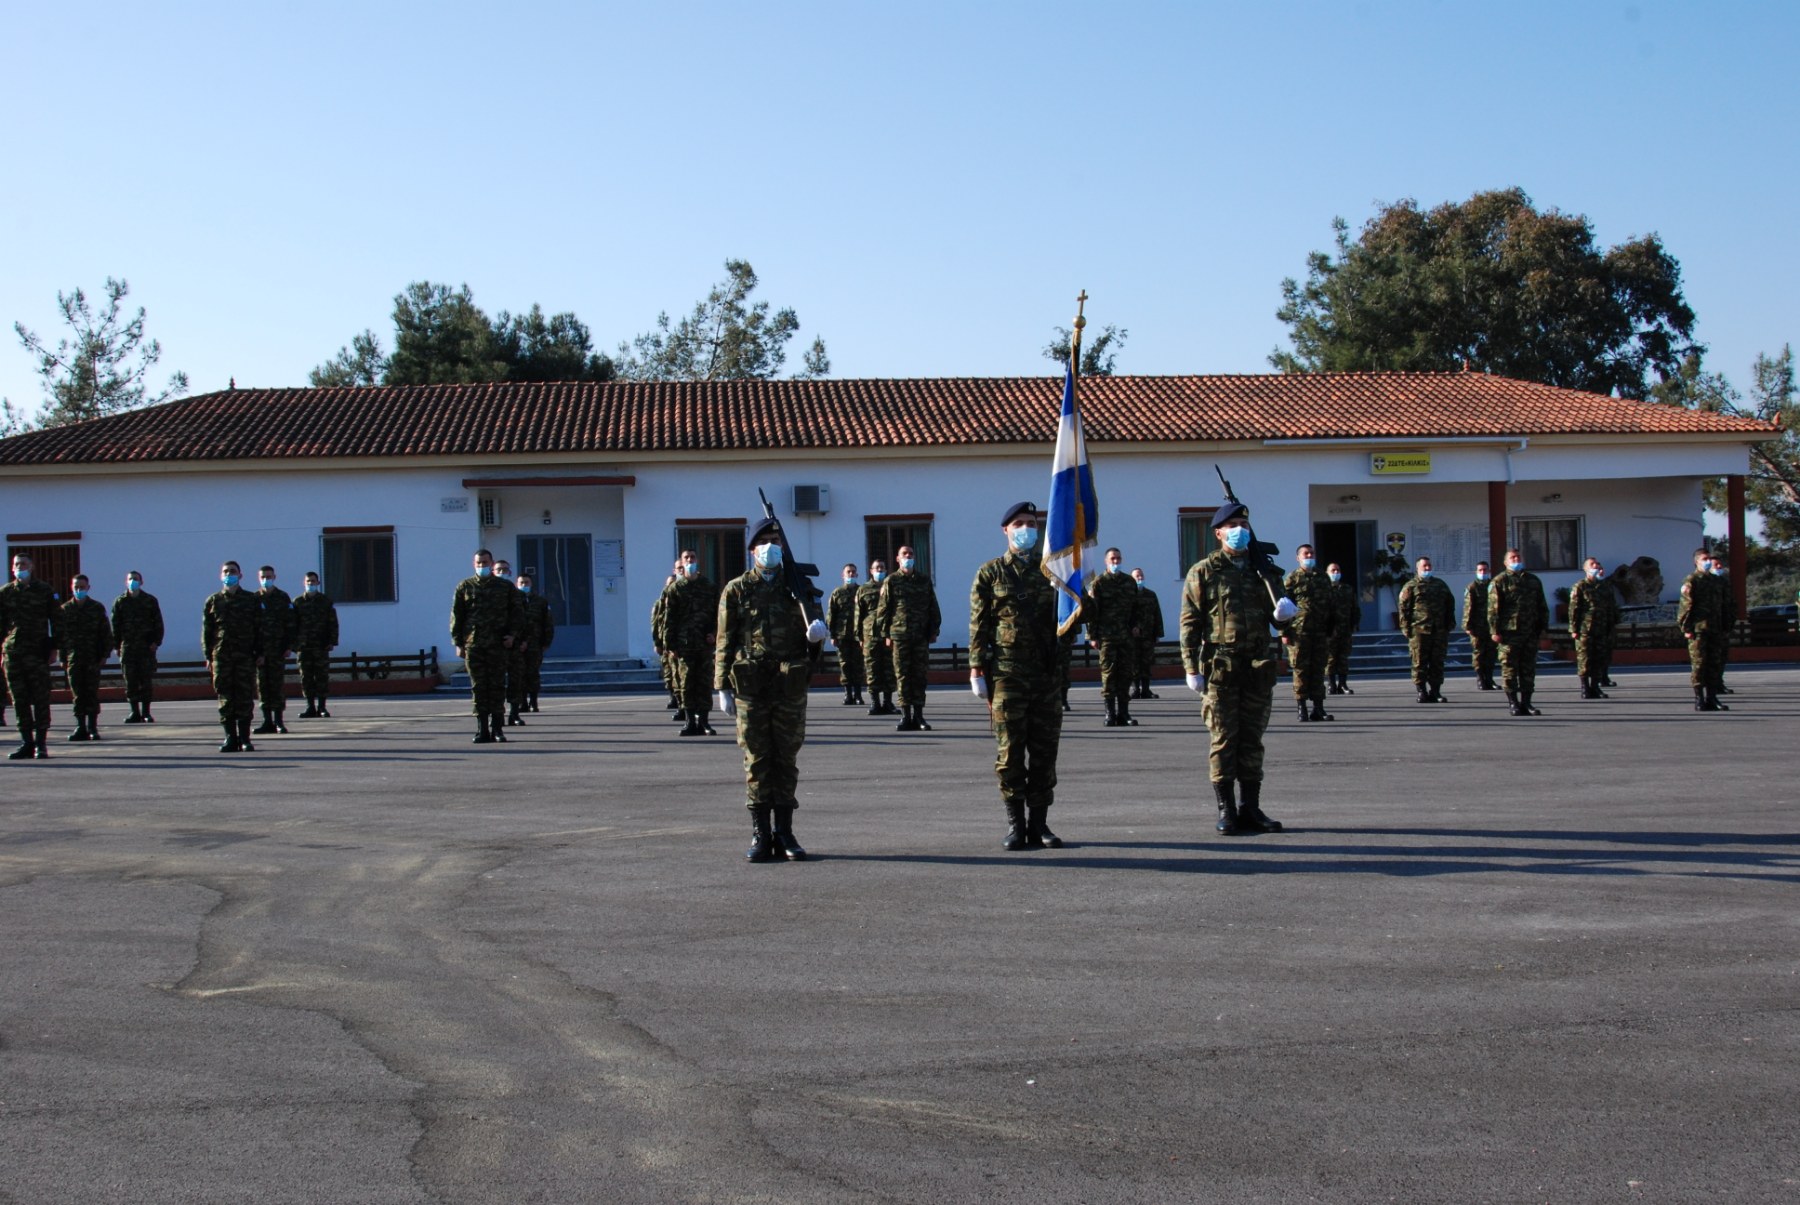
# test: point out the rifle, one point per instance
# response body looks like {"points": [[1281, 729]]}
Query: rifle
{"points": [[797, 575], [1262, 553]]}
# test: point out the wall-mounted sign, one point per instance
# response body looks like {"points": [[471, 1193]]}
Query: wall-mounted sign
{"points": [[1387, 464], [454, 506], [609, 558]]}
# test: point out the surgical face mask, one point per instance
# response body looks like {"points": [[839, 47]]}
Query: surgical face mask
{"points": [[849, 579], [1424, 574], [524, 587], [265, 582], [1308, 562], [691, 569], [1481, 575], [1596, 574], [81, 594], [906, 563], [880, 575], [311, 587], [483, 570], [1716, 570], [1336, 577], [230, 579], [1515, 566], [767, 556], [1024, 538], [23, 575], [1237, 538], [133, 585]]}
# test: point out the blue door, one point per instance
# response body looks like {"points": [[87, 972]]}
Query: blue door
{"points": [[561, 569]]}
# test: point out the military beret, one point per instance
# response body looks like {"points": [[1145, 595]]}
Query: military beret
{"points": [[1228, 512], [1028, 509], [761, 533]]}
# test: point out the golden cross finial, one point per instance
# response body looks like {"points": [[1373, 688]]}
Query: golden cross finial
{"points": [[1080, 304]]}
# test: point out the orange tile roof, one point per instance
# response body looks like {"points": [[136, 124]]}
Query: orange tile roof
{"points": [[619, 418]]}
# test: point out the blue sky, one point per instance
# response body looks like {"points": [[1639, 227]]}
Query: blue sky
{"points": [[928, 184]]}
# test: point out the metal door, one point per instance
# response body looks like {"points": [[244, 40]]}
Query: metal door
{"points": [[561, 569]]}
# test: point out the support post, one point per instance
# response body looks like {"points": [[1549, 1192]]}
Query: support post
{"points": [[1497, 540], [1734, 517]]}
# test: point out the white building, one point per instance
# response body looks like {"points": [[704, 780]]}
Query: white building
{"points": [[594, 488]]}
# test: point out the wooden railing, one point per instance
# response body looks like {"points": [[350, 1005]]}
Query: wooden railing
{"points": [[353, 666]]}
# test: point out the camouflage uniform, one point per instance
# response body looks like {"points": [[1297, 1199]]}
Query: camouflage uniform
{"points": [[540, 631], [1721, 635], [840, 617], [29, 622], [1427, 616], [1519, 616], [86, 639], [315, 635], [1013, 641], [137, 628], [1150, 630], [665, 660], [691, 620], [1703, 612], [1309, 638], [484, 611], [1593, 622], [278, 630], [1112, 616], [231, 635], [909, 616], [762, 657], [1225, 617], [1346, 617], [515, 662], [880, 666], [1481, 640]]}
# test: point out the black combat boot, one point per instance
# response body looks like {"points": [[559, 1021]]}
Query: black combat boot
{"points": [[1424, 694], [94, 726], [849, 696], [42, 751], [1606, 679], [1594, 682], [243, 730], [230, 743], [1712, 698], [693, 726], [1016, 837], [1225, 791], [674, 704], [1300, 709], [919, 723], [518, 721], [1512, 702], [324, 712], [532, 705], [268, 724], [2, 715], [1332, 687], [482, 735], [760, 837], [887, 704], [1437, 693], [1147, 692], [27, 746], [1065, 700], [1125, 720], [680, 716], [1487, 680], [1701, 702], [148, 718], [1112, 712], [81, 733], [1525, 707], [497, 726], [706, 728], [782, 830], [1319, 714], [907, 723], [312, 709], [1037, 831], [280, 723], [875, 703], [858, 699], [136, 716], [1344, 683], [1250, 813]]}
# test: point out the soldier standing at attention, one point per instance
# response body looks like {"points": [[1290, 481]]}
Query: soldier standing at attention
{"points": [[762, 666], [86, 642], [1308, 638], [1346, 617], [1228, 604], [1475, 623], [231, 633], [840, 617], [908, 622], [540, 630], [1013, 666], [665, 659], [278, 633], [514, 689], [691, 618], [137, 628], [1593, 620], [486, 617], [1518, 617], [1112, 627], [1150, 627], [876, 661], [1721, 635], [315, 635], [28, 640], [1702, 612], [1427, 615]]}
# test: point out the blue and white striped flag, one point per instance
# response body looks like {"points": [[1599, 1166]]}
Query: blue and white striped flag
{"points": [[1074, 523]]}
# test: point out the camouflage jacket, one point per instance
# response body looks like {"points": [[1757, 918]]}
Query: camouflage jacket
{"points": [[1012, 617], [84, 633], [137, 620], [1426, 606], [1112, 607], [279, 626], [1475, 600], [691, 614], [760, 621], [231, 625], [28, 619], [1150, 616], [540, 624], [1225, 602], [840, 613], [1705, 604], [315, 621], [909, 608], [1517, 612], [1593, 608], [484, 611], [1311, 591], [868, 611], [659, 631]]}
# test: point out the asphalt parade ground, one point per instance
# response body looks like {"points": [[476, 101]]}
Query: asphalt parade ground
{"points": [[1492, 959]]}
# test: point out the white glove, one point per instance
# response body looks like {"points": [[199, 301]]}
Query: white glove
{"points": [[816, 632], [1285, 610], [978, 686], [727, 703], [1196, 683]]}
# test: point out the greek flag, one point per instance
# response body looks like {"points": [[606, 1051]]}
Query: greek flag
{"points": [[1074, 510]]}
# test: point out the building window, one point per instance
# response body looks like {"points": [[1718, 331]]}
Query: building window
{"points": [[718, 544], [1191, 539], [358, 564], [887, 534], [53, 563], [1549, 543]]}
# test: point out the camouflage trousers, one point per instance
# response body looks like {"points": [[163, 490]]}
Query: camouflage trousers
{"points": [[693, 678], [271, 683], [850, 664], [1308, 653], [1721, 653], [1482, 653], [315, 672], [771, 727], [1027, 719], [912, 657], [879, 664], [28, 677], [486, 664], [534, 671], [669, 675], [234, 681], [1117, 667], [1337, 657], [1428, 648], [83, 674], [1706, 661], [515, 676], [1518, 666], [1143, 659], [1240, 692], [1593, 655], [138, 663]]}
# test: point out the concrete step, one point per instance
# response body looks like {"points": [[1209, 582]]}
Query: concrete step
{"points": [[584, 676]]}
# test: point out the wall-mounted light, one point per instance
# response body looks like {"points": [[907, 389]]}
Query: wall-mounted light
{"points": [[1349, 498], [1552, 498], [546, 518]]}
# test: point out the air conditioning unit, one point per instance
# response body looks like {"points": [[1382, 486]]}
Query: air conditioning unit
{"points": [[812, 499], [490, 511]]}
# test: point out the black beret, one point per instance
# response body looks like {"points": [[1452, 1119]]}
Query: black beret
{"points": [[1228, 512], [1028, 509], [763, 530]]}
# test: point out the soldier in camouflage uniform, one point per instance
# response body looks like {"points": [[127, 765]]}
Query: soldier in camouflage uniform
{"points": [[315, 635], [908, 622], [1150, 625], [514, 689], [1475, 623], [137, 628], [1346, 617], [279, 631], [762, 665], [540, 630], [1518, 617], [876, 661], [1427, 616], [665, 660], [487, 616], [29, 637], [86, 640], [1228, 604], [691, 618], [1308, 637], [1013, 665], [1112, 627], [840, 617], [231, 630], [1721, 635], [1593, 621], [1703, 612]]}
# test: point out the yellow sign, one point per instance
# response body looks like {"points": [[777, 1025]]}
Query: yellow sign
{"points": [[1384, 464]]}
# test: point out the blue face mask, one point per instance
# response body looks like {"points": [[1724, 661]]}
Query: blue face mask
{"points": [[1024, 539], [767, 557], [1237, 538], [1481, 575], [133, 586], [692, 569], [906, 563], [1309, 562], [880, 575], [23, 575], [230, 579], [483, 570], [1337, 577], [1596, 574], [265, 582], [1424, 573], [1515, 566], [81, 594], [1717, 571]]}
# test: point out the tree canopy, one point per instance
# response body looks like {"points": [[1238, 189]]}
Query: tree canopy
{"points": [[100, 368], [1099, 354], [726, 338], [1495, 285]]}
